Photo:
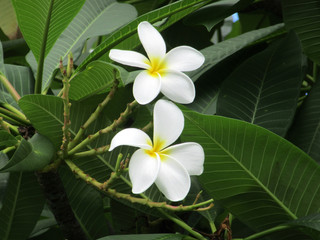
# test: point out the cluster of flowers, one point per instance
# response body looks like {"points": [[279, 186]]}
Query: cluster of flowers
{"points": [[155, 162]]}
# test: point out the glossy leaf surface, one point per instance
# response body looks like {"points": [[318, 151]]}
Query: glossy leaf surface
{"points": [[264, 90], [258, 176]]}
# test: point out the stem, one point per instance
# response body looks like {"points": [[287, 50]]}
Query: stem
{"points": [[12, 91], [110, 128], [4, 125], [38, 83], [8, 149], [183, 225], [94, 115], [66, 107], [267, 232], [143, 201], [14, 110], [14, 116]]}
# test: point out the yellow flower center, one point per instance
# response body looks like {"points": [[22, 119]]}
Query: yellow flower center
{"points": [[156, 149], [156, 66]]}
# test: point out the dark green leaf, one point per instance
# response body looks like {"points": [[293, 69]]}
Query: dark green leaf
{"points": [[211, 15], [86, 203], [21, 208], [145, 237], [222, 50], [302, 17], [258, 176], [98, 77], [6, 139], [33, 15], [45, 114], [264, 90], [305, 132], [310, 221], [31, 155], [97, 17]]}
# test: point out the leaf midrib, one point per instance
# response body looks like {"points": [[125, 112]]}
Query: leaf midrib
{"points": [[14, 206], [245, 169], [79, 37]]}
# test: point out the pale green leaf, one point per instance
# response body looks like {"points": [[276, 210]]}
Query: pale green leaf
{"points": [[8, 20], [127, 37], [97, 17]]}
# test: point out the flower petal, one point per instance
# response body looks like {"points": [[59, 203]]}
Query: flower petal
{"points": [[129, 58], [178, 87], [146, 87], [151, 40], [184, 58], [168, 122], [131, 137], [143, 170], [190, 155], [173, 180]]}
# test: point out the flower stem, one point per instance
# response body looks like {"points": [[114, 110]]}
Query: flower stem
{"points": [[110, 128], [94, 115], [12, 91]]}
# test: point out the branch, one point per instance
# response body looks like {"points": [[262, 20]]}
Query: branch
{"points": [[113, 193], [95, 114], [112, 127], [12, 91]]}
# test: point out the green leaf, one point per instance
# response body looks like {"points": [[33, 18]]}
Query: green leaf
{"points": [[97, 17], [86, 203], [302, 17], [258, 176], [222, 50], [41, 21], [8, 21], [127, 37], [264, 90], [45, 114], [6, 139], [211, 15], [305, 131], [311, 221], [98, 77], [31, 155], [21, 79], [145, 237], [22, 206]]}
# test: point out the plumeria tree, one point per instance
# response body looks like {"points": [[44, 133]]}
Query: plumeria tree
{"points": [[159, 119]]}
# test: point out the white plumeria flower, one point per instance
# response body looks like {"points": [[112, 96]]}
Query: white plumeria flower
{"points": [[163, 71], [168, 167]]}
